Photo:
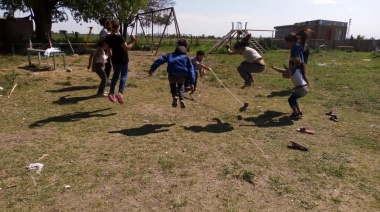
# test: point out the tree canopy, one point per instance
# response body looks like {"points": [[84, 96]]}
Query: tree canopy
{"points": [[46, 12]]}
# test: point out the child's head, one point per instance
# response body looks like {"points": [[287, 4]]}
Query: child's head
{"points": [[115, 25], [303, 36], [291, 39], [200, 55], [183, 42], [244, 42], [108, 25]]}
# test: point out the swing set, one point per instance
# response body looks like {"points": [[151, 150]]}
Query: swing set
{"points": [[142, 19]]}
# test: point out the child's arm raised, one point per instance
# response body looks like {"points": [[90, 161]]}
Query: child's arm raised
{"points": [[229, 52], [128, 46], [161, 60]]}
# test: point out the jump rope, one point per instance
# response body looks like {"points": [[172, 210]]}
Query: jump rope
{"points": [[244, 105]]}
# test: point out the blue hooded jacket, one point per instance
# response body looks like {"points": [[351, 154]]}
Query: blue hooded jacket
{"points": [[178, 63]]}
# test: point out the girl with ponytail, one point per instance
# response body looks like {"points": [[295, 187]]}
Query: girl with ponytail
{"points": [[253, 61]]}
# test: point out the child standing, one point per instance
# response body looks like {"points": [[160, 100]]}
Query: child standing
{"points": [[199, 67], [106, 24], [96, 61], [179, 67], [118, 49], [253, 63], [296, 72]]}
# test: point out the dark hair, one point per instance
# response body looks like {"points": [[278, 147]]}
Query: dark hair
{"points": [[304, 35], [244, 42], [100, 43], [292, 37], [115, 24], [200, 53], [103, 21], [182, 42]]}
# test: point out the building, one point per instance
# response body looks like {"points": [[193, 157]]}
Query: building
{"points": [[14, 31], [324, 30]]}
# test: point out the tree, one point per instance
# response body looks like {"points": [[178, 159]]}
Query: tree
{"points": [[360, 37], [123, 10], [43, 12], [46, 12]]}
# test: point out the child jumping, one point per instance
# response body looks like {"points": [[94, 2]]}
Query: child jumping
{"points": [[97, 61], [179, 67], [118, 49], [296, 72], [253, 63]]}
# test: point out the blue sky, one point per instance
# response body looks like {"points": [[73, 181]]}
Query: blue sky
{"points": [[211, 17]]}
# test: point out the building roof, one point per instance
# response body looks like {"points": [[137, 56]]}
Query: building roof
{"points": [[317, 22]]}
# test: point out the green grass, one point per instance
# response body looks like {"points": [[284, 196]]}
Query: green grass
{"points": [[147, 156]]}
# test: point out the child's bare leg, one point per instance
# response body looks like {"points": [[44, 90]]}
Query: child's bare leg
{"points": [[298, 109]]}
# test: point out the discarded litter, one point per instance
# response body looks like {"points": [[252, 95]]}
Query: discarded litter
{"points": [[146, 121], [44, 155], [1, 88], [322, 64], [37, 166], [67, 186], [367, 60]]}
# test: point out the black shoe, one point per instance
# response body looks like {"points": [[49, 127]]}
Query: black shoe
{"points": [[295, 116], [175, 102], [182, 104]]}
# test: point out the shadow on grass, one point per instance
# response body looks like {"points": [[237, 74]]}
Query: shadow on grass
{"points": [[144, 130], [73, 100], [219, 127], [280, 93], [71, 117], [34, 68], [72, 88], [268, 119]]}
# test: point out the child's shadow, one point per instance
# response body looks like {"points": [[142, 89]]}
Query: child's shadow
{"points": [[269, 119], [73, 100], [280, 93], [219, 127], [144, 130], [71, 117]]}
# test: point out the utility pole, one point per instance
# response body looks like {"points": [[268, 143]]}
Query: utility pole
{"points": [[348, 29]]}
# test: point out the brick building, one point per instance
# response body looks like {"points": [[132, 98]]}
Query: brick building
{"points": [[324, 29]]}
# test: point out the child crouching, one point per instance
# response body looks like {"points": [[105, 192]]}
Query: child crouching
{"points": [[179, 67], [296, 72]]}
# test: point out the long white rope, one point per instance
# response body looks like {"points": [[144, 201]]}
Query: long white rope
{"points": [[226, 87]]}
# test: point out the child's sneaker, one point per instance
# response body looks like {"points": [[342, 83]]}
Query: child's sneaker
{"points": [[111, 97], [247, 84], [295, 116], [120, 98], [101, 94], [175, 103], [182, 102]]}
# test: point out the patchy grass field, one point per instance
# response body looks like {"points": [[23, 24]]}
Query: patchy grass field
{"points": [[147, 156]]}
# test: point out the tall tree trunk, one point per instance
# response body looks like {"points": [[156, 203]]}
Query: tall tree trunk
{"points": [[43, 23]]}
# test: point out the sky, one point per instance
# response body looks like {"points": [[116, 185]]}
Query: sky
{"points": [[214, 17]]}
